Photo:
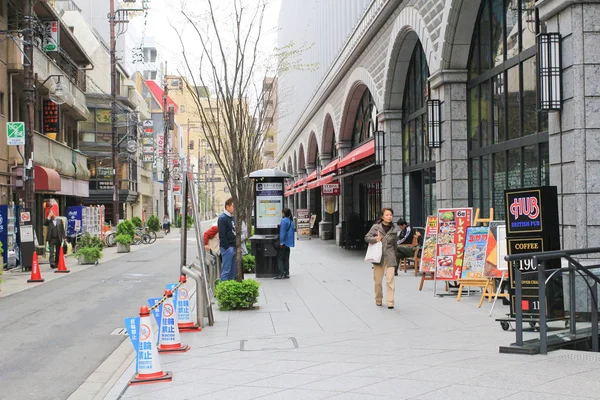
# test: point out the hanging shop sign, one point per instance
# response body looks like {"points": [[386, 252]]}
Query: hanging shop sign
{"points": [[452, 230], [269, 204], [475, 247], [148, 158], [303, 223], [148, 123], [51, 40], [495, 266], [429, 245], [51, 117], [331, 189]]}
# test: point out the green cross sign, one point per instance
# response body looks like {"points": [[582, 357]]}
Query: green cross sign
{"points": [[15, 133]]}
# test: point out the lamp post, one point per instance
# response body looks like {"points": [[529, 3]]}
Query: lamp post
{"points": [[379, 147], [434, 117], [549, 71]]}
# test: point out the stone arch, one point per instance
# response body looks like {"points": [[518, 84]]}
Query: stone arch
{"points": [[409, 28], [289, 166], [301, 166], [457, 33], [312, 149], [327, 135], [358, 81], [295, 161]]}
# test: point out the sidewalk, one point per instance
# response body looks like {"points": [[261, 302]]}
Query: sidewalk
{"points": [[319, 335]]}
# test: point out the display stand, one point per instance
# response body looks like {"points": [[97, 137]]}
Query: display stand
{"points": [[426, 276], [486, 284]]}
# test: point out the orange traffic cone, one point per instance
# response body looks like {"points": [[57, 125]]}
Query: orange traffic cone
{"points": [[62, 268], [169, 340], [36, 274], [184, 315], [148, 364]]}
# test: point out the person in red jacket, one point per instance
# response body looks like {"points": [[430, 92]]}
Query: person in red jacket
{"points": [[211, 240]]}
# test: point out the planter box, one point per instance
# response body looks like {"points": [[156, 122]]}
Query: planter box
{"points": [[123, 248], [160, 234], [81, 260]]}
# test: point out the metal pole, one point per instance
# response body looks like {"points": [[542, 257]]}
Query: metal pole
{"points": [[113, 108], [572, 300], [184, 213], [542, 306], [165, 147], [199, 294], [595, 317], [29, 89], [517, 303]]}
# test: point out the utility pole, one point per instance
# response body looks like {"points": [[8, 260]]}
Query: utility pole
{"points": [[29, 91], [113, 107], [165, 145]]}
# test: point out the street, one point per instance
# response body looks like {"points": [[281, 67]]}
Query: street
{"points": [[56, 334]]}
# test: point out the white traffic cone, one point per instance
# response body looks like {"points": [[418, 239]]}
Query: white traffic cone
{"points": [[184, 314], [169, 340], [148, 364]]}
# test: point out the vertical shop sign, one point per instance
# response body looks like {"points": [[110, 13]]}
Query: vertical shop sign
{"points": [[452, 227], [429, 245]]}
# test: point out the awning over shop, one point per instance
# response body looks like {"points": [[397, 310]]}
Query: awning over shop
{"points": [[46, 179], [289, 187], [360, 153], [300, 189], [312, 176], [299, 182], [331, 167], [320, 182]]}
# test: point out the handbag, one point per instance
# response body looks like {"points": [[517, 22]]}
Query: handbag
{"points": [[375, 251]]}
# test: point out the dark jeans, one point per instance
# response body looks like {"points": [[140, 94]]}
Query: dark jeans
{"points": [[54, 251], [283, 260]]}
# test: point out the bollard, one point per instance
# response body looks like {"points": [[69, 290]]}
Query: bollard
{"points": [[169, 339], [207, 301], [199, 297]]}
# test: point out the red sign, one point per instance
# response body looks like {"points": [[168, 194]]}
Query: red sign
{"points": [[452, 231], [25, 216], [176, 188], [331, 189], [51, 117], [429, 245]]}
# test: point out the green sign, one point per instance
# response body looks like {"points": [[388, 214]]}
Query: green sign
{"points": [[15, 133]]}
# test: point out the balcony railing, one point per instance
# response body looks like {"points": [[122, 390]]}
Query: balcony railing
{"points": [[60, 157]]}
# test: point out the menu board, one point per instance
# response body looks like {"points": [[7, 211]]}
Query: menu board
{"points": [[303, 223], [452, 227], [429, 245], [494, 266], [475, 247]]}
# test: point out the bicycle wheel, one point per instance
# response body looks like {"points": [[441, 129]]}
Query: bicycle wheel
{"points": [[146, 238], [152, 236], [110, 240], [137, 239]]}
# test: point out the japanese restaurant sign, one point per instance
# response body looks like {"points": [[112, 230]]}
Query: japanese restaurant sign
{"points": [[452, 231], [429, 245], [331, 189], [475, 247], [51, 117]]}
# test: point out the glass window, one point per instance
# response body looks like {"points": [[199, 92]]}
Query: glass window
{"points": [[499, 109], [544, 164], [475, 169], [497, 32], [474, 118], [514, 168], [529, 97], [499, 184], [365, 121], [484, 38], [486, 114], [512, 28], [486, 187], [88, 137], [528, 29], [531, 168], [514, 103]]}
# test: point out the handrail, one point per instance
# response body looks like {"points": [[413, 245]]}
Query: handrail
{"points": [[539, 260]]}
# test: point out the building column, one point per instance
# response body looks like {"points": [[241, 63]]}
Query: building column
{"points": [[309, 169], [345, 200], [452, 172], [325, 226], [391, 173]]}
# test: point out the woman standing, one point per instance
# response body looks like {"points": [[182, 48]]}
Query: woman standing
{"points": [[286, 241], [384, 231], [166, 224]]}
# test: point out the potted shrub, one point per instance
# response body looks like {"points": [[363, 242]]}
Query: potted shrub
{"points": [[234, 295], [137, 222], [89, 249], [124, 237], [153, 225], [249, 264]]}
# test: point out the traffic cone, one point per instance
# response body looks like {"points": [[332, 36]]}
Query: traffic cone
{"points": [[62, 268], [148, 364], [169, 340], [36, 274], [184, 315]]}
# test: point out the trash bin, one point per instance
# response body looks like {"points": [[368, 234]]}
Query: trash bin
{"points": [[264, 248]]}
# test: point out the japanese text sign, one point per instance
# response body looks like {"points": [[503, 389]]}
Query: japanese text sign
{"points": [[452, 231]]}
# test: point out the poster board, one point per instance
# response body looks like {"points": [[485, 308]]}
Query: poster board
{"points": [[303, 224], [474, 253], [429, 246], [495, 266], [269, 204], [452, 226]]}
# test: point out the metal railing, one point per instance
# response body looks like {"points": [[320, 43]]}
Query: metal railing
{"points": [[574, 267]]}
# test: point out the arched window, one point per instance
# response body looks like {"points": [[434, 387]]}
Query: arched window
{"points": [[419, 166], [334, 149], [508, 138], [365, 122]]}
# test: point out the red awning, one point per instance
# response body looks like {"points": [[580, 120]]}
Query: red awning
{"points": [[312, 176], [320, 182], [331, 167], [289, 187], [301, 189], [312, 185], [46, 179], [298, 183], [360, 153]]}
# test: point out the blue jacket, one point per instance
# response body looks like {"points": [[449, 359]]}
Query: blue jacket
{"points": [[286, 232], [226, 231]]}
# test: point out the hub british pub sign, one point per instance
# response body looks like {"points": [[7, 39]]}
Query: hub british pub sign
{"points": [[532, 226]]}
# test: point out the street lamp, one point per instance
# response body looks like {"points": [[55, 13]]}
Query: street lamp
{"points": [[379, 147], [434, 117], [549, 71]]}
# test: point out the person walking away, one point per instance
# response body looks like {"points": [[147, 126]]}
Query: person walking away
{"points": [[55, 237], [166, 224], [286, 242], [226, 228], [405, 242], [384, 231]]}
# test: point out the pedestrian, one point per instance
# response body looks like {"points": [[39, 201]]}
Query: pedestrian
{"points": [[211, 240], [286, 242], [166, 224], [55, 237], [405, 241], [227, 241], [384, 231]]}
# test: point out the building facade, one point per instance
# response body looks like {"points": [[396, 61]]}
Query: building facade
{"points": [[480, 60], [270, 123]]}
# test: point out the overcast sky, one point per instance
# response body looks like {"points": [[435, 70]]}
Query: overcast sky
{"points": [[163, 13]]}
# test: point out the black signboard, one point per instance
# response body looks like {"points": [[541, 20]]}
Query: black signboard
{"points": [[51, 117], [520, 246]]}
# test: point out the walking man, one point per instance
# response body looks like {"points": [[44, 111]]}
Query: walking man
{"points": [[227, 242], [55, 237]]}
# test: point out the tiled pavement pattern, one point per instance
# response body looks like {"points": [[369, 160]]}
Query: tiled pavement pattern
{"points": [[347, 348]]}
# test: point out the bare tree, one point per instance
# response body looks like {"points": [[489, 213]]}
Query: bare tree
{"points": [[232, 69]]}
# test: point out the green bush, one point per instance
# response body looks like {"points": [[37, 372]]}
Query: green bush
{"points": [[249, 246], [88, 240], [124, 238], [91, 254], [125, 232], [137, 222], [190, 221], [153, 224], [234, 295], [249, 263]]}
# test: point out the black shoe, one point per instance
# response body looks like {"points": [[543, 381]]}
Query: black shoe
{"points": [[390, 307], [286, 277], [279, 277]]}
